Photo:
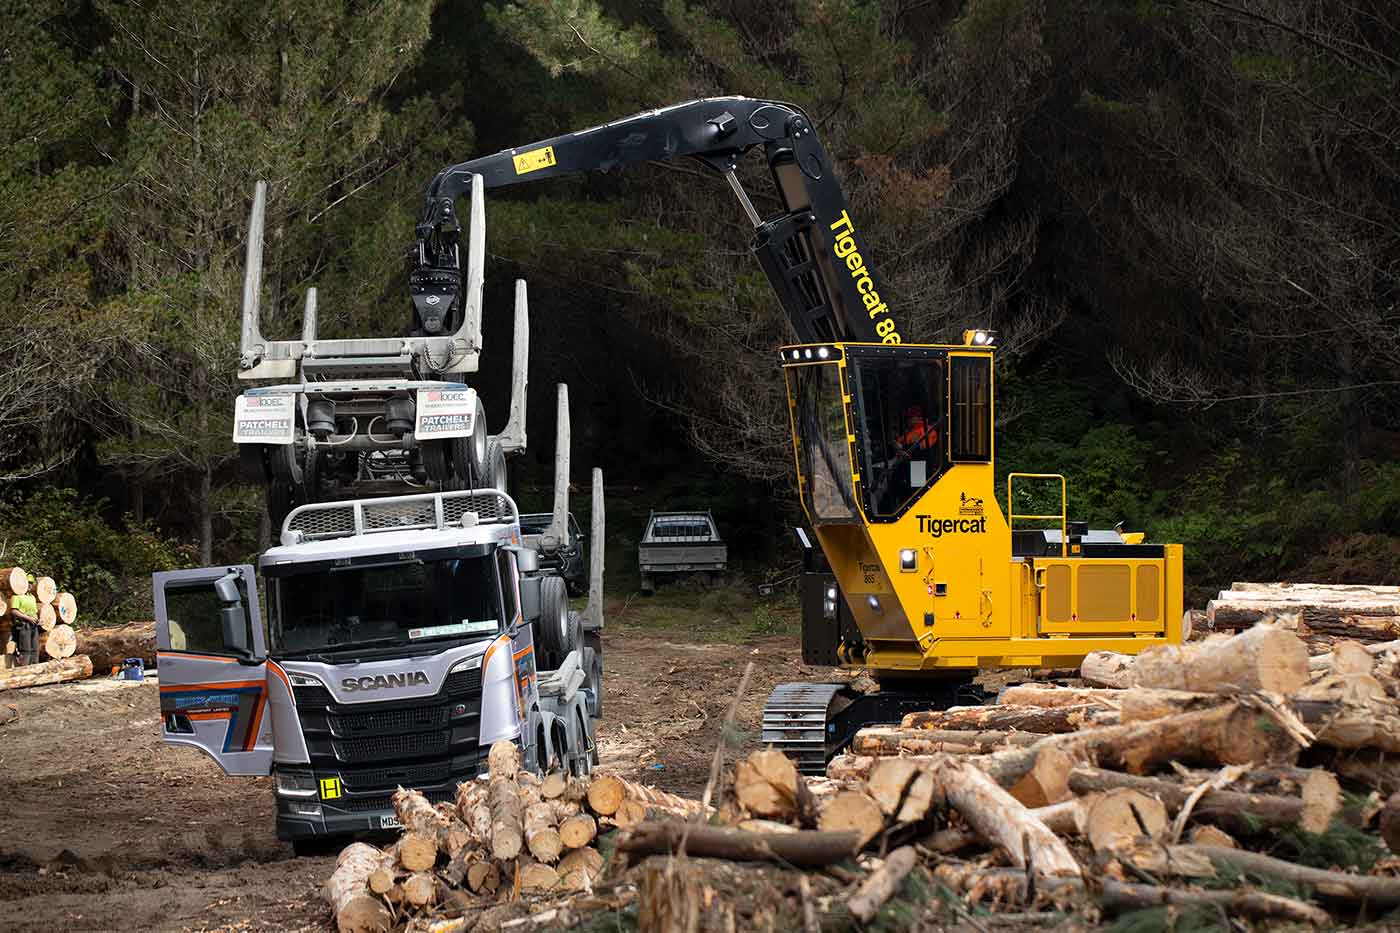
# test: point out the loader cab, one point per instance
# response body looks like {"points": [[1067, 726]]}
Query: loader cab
{"points": [[875, 427]]}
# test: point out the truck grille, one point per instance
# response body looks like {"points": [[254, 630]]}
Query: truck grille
{"points": [[406, 776], [462, 682], [384, 801], [391, 746], [397, 720]]}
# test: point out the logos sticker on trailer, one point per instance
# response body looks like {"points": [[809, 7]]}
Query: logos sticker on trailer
{"points": [[264, 419], [445, 413]]}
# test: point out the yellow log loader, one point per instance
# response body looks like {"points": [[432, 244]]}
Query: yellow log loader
{"points": [[912, 570]]}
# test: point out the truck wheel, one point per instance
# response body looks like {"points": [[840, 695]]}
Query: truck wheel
{"points": [[593, 666], [554, 618], [494, 475], [435, 462], [469, 454]]}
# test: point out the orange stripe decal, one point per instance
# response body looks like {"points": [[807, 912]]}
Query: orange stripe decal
{"points": [[222, 659], [214, 685]]}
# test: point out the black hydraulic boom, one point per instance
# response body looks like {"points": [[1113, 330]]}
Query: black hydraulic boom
{"points": [[812, 250]]}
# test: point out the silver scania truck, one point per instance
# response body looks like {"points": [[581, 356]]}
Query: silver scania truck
{"points": [[402, 637]]}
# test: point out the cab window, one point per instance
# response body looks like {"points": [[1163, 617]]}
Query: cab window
{"points": [[903, 427], [819, 418], [193, 614]]}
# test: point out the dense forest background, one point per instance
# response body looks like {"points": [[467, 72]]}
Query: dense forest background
{"points": [[1181, 216]]}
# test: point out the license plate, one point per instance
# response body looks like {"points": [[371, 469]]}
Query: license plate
{"points": [[390, 822]]}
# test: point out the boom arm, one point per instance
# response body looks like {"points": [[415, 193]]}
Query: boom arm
{"points": [[812, 252]]}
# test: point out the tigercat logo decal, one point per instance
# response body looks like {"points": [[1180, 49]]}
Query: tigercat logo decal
{"points": [[383, 681], [969, 505], [938, 527], [844, 246]]}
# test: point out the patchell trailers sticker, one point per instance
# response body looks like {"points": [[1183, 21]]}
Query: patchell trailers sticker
{"points": [[445, 413], [264, 419]]}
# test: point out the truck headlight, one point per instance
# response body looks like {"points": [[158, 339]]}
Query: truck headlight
{"points": [[305, 809], [296, 784], [303, 680], [467, 664]]}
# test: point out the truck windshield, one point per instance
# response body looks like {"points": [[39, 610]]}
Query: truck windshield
{"points": [[384, 604]]}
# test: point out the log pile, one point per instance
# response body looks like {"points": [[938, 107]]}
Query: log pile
{"points": [[1219, 764], [36, 602], [1231, 779], [1320, 614]]}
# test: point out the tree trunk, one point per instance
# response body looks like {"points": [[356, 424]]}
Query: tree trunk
{"points": [[1123, 813], [1043, 720], [1001, 819], [45, 590], [416, 814], [77, 667], [1107, 669], [882, 884], [109, 647], [356, 910], [1241, 813], [507, 819], [1049, 695], [767, 784], [205, 509], [804, 848], [606, 793], [542, 834], [61, 643], [1365, 616], [1338, 885], [1261, 658], [851, 811], [895, 740], [1231, 733], [535, 877]]}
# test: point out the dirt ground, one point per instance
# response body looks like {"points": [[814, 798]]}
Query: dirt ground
{"points": [[102, 828]]}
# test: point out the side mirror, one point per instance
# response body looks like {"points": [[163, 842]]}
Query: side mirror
{"points": [[235, 630], [233, 618]]}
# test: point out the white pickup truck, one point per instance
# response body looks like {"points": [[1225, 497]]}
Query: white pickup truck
{"points": [[681, 544]]}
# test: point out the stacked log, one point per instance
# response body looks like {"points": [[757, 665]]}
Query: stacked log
{"points": [[41, 603], [1217, 763], [1320, 614], [1210, 760]]}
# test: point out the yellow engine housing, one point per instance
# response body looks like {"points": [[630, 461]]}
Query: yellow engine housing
{"points": [[933, 580]]}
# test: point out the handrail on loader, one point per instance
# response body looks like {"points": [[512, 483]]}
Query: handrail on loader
{"points": [[1011, 515]]}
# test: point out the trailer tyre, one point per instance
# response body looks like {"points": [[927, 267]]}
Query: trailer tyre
{"points": [[495, 473], [593, 665], [435, 462], [554, 618], [469, 454]]}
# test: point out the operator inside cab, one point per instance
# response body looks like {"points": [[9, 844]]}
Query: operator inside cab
{"points": [[904, 421]]}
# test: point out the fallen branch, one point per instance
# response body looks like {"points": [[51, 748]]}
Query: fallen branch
{"points": [[1376, 891], [882, 884]]}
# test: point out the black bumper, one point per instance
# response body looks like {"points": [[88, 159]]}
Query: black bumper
{"points": [[353, 814]]}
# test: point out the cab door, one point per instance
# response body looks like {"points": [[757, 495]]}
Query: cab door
{"points": [[213, 666]]}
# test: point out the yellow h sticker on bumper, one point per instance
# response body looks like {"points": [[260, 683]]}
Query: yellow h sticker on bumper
{"points": [[330, 788], [534, 160]]}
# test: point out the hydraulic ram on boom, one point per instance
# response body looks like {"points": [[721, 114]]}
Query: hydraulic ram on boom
{"points": [[812, 250]]}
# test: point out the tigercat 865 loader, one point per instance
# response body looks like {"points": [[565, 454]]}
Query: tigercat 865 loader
{"points": [[915, 574]]}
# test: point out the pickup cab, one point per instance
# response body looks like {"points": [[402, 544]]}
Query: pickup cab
{"points": [[677, 544]]}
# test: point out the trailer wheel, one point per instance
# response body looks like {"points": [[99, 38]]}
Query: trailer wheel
{"points": [[469, 454], [495, 473], [554, 618], [435, 462], [593, 666]]}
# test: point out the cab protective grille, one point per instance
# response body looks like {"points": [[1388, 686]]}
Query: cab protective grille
{"points": [[388, 746], [397, 720]]}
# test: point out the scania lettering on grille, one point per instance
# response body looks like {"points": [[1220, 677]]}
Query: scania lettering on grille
{"points": [[384, 681]]}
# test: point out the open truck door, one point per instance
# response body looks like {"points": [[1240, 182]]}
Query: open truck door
{"points": [[213, 666]]}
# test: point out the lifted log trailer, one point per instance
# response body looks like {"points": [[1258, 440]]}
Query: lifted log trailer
{"points": [[916, 574], [404, 633]]}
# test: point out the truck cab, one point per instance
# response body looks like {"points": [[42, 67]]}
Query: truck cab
{"points": [[383, 643]]}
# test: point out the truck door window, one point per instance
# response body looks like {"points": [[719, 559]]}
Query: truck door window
{"points": [[193, 613], [903, 422], [971, 428]]}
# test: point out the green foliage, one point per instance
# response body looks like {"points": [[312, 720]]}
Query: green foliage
{"points": [[1156, 919], [56, 533]]}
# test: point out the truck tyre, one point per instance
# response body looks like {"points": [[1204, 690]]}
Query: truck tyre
{"points": [[468, 454], [494, 475], [554, 618], [435, 462], [593, 666]]}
